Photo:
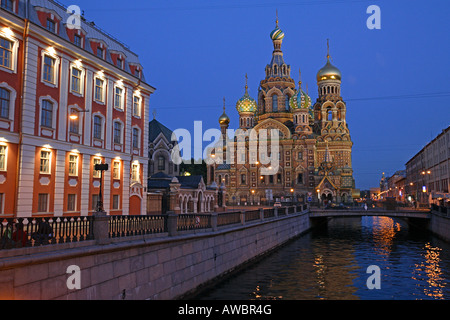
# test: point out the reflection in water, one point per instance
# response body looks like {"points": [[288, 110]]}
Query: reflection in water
{"points": [[331, 263]]}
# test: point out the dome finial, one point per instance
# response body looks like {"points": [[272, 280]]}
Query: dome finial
{"points": [[328, 49], [300, 79], [223, 104], [246, 83], [277, 18]]}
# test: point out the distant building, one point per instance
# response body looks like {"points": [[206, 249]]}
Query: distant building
{"points": [[70, 98], [428, 172]]}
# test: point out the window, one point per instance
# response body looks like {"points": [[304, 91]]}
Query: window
{"points": [[76, 80], [118, 98], [137, 73], [100, 53], [279, 178], [74, 123], [300, 178], [137, 106], [116, 200], [5, 100], [120, 63], [6, 53], [45, 162], [116, 170], [8, 5], [270, 179], [97, 174], [287, 103], [73, 165], [117, 132], [161, 163], [135, 172], [2, 158], [47, 114], [77, 41], [300, 156], [97, 127], [72, 202], [49, 69], [43, 202], [99, 89], [51, 26], [135, 138], [243, 178], [274, 103]]}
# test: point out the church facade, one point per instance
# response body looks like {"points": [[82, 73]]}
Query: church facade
{"points": [[314, 151]]}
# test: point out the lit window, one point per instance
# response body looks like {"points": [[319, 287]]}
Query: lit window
{"points": [[49, 69], [137, 106], [43, 202], [6, 53], [73, 165], [5, 99], [116, 170], [51, 26], [97, 127], [74, 124], [99, 89], [72, 203], [135, 172], [2, 158], [45, 162], [117, 132], [118, 98], [47, 114], [76, 80], [97, 173]]}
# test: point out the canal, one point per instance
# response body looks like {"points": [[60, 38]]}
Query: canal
{"points": [[331, 263]]}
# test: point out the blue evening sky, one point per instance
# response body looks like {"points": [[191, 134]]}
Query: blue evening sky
{"points": [[395, 80]]}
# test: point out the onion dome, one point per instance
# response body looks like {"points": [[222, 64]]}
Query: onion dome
{"points": [[300, 100], [329, 72], [246, 103], [277, 34], [224, 119]]}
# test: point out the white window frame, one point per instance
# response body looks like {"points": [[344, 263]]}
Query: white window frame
{"points": [[77, 158], [102, 117], [54, 113], [47, 205], [4, 155], [116, 175], [103, 98], [96, 174], [12, 103], [49, 159], [118, 202], [14, 52], [122, 128], [122, 98], [79, 93], [53, 84], [139, 113], [135, 173], [74, 202], [139, 137]]}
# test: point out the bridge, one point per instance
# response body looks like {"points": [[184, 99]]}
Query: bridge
{"points": [[360, 212]]}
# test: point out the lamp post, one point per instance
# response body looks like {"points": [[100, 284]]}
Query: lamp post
{"points": [[101, 168], [426, 185]]}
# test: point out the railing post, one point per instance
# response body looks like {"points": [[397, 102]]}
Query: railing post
{"points": [[101, 228], [214, 217], [261, 214], [172, 223], [242, 216], [275, 212], [286, 210]]}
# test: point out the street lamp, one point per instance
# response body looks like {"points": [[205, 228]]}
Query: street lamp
{"points": [[100, 167], [74, 114]]}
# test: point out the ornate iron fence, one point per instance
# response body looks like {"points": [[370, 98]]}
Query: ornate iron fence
{"points": [[228, 218], [193, 222], [125, 226], [32, 232]]}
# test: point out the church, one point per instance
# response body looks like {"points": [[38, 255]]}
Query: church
{"points": [[314, 152]]}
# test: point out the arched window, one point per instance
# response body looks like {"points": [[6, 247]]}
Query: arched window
{"points": [[5, 100], [117, 132], [274, 103], [329, 114], [275, 69], [47, 114], [97, 127], [161, 163], [287, 98]]}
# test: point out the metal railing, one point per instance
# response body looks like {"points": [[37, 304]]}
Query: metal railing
{"points": [[125, 226], [33, 232]]}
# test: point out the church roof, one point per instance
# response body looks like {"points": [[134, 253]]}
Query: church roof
{"points": [[156, 128]]}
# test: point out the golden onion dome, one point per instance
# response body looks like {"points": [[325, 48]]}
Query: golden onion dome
{"points": [[329, 72], [224, 119]]}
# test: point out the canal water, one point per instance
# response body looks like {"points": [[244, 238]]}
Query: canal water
{"points": [[332, 263]]}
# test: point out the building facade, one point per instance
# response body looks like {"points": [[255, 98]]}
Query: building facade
{"points": [[315, 147], [71, 97], [428, 172]]}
